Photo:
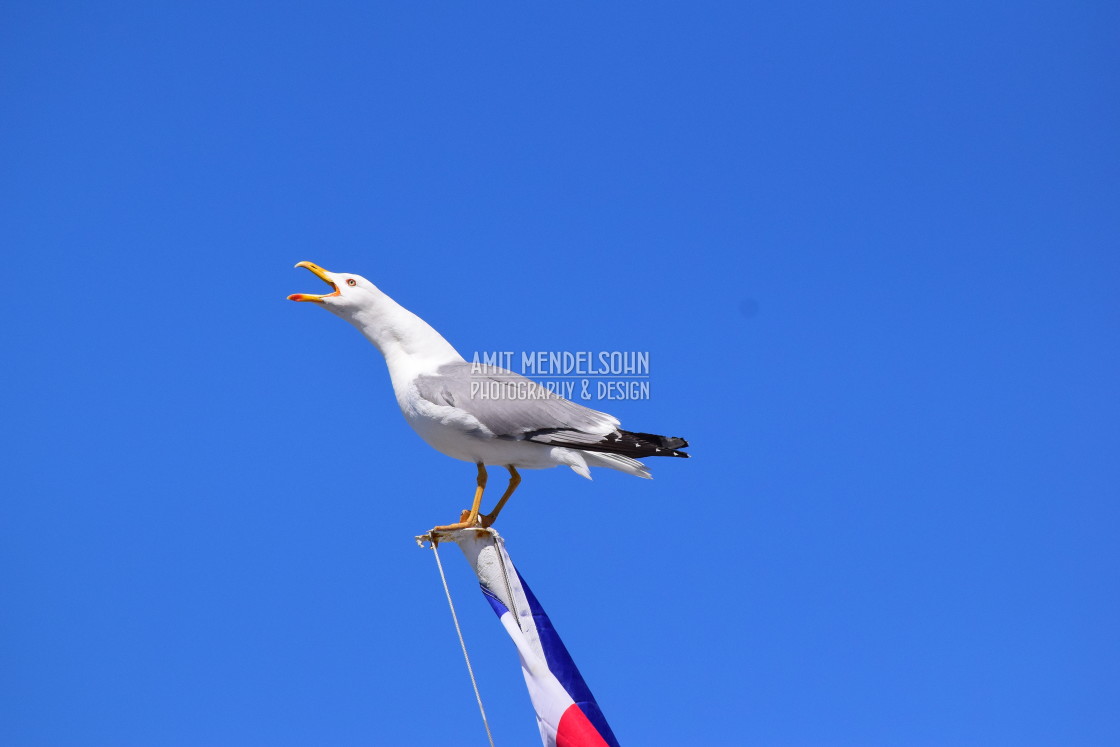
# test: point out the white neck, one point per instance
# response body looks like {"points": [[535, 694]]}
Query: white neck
{"points": [[409, 344]]}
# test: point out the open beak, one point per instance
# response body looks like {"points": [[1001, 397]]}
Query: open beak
{"points": [[322, 274]]}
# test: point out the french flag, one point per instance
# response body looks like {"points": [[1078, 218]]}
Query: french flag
{"points": [[567, 713]]}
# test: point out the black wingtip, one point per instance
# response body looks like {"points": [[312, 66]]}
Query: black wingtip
{"points": [[649, 444], [627, 443], [664, 445]]}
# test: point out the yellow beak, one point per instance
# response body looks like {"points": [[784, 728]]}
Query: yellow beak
{"points": [[322, 274]]}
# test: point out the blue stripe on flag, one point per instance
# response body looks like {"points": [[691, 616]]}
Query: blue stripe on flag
{"points": [[562, 666], [499, 608]]}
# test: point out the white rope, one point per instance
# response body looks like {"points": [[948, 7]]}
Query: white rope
{"points": [[459, 632], [505, 577]]}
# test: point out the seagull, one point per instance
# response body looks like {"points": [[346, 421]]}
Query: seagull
{"points": [[481, 413]]}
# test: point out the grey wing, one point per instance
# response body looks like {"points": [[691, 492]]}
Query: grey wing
{"points": [[512, 406]]}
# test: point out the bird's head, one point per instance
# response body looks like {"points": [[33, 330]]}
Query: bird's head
{"points": [[392, 328], [350, 292]]}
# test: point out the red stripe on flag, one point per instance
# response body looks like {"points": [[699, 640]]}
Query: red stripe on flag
{"points": [[575, 730]]}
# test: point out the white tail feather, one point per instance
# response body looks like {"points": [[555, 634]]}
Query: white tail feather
{"points": [[618, 462]]}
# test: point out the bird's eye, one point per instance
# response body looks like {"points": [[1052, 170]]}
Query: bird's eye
{"points": [[351, 281]]}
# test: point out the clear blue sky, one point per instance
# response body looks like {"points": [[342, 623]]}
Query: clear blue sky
{"points": [[872, 251]]}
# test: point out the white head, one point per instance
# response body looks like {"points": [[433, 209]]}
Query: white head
{"points": [[397, 332], [352, 293]]}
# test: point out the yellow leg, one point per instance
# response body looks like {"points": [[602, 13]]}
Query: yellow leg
{"points": [[514, 481], [469, 517]]}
